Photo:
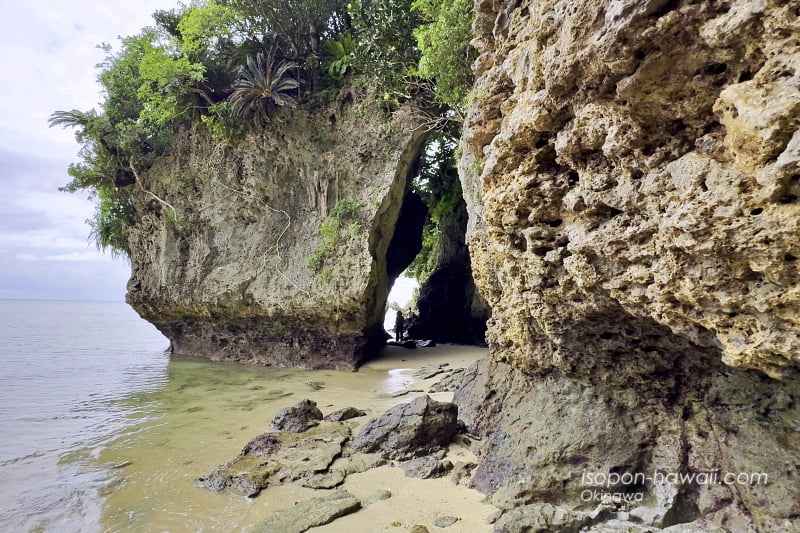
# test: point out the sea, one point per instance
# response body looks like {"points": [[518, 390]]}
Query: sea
{"points": [[102, 430]]}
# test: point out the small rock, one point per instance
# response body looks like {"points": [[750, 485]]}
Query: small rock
{"points": [[326, 480], [310, 513], [541, 518], [494, 516], [376, 496], [315, 385], [297, 418], [361, 462], [462, 472], [416, 528], [410, 430], [262, 446], [345, 414], [445, 521], [426, 467], [433, 374]]}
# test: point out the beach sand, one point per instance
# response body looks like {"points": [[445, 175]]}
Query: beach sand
{"points": [[209, 411]]}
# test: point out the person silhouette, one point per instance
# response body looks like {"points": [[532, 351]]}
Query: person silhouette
{"points": [[399, 326]]}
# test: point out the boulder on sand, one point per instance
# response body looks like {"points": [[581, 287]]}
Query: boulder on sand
{"points": [[414, 429]]}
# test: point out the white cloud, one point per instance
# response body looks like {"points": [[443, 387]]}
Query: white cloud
{"points": [[72, 257], [47, 63]]}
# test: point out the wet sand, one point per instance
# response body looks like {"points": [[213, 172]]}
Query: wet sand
{"points": [[208, 411]]}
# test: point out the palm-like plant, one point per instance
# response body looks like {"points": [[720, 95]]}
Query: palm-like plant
{"points": [[262, 87], [72, 118]]}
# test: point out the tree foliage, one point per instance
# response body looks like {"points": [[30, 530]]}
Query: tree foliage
{"points": [[387, 50], [445, 53], [438, 185]]}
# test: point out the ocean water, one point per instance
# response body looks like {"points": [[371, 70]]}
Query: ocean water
{"points": [[101, 430], [66, 369]]}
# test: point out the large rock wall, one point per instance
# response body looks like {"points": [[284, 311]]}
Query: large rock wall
{"points": [[450, 308], [632, 172], [229, 278]]}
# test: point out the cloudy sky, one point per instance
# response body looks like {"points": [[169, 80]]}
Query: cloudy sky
{"points": [[47, 58]]}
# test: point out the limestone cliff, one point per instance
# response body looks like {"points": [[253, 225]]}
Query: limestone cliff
{"points": [[450, 308], [632, 172], [227, 274]]}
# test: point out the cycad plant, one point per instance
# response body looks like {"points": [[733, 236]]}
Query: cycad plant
{"points": [[262, 87]]}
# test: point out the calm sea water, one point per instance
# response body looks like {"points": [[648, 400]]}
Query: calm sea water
{"points": [[66, 366], [100, 430]]}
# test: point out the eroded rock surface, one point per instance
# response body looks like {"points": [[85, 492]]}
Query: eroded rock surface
{"points": [[298, 418], [409, 430], [227, 274], [345, 414], [276, 458], [632, 173], [310, 513]]}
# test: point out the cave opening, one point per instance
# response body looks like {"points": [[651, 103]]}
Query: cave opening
{"points": [[428, 266]]}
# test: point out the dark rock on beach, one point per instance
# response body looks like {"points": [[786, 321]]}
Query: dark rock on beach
{"points": [[426, 467], [344, 414], [279, 458], [297, 418], [414, 429]]}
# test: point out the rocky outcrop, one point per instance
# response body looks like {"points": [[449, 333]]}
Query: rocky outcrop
{"points": [[310, 513], [450, 309], [298, 418], [631, 172], [277, 458], [232, 257], [409, 430]]}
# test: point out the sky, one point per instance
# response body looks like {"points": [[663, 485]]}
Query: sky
{"points": [[47, 62]]}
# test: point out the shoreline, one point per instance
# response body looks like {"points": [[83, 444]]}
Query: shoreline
{"points": [[209, 412]]}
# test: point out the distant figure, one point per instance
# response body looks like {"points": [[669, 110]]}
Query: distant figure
{"points": [[399, 326]]}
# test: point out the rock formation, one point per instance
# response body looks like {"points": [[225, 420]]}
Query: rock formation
{"points": [[450, 308], [632, 173], [221, 255], [420, 427]]}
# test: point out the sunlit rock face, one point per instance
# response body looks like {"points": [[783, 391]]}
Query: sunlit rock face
{"points": [[632, 173], [229, 277]]}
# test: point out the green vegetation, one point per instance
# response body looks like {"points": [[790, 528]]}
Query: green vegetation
{"points": [[341, 52], [343, 211], [221, 65], [445, 54], [438, 185], [262, 87]]}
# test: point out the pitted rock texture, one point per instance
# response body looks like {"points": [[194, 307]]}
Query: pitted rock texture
{"points": [[632, 174], [637, 158], [277, 458], [541, 434], [298, 418], [227, 277]]}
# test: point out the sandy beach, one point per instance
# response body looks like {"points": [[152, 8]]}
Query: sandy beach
{"points": [[208, 420]]}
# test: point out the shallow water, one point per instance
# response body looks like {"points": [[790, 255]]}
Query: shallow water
{"points": [[102, 431], [203, 417]]}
